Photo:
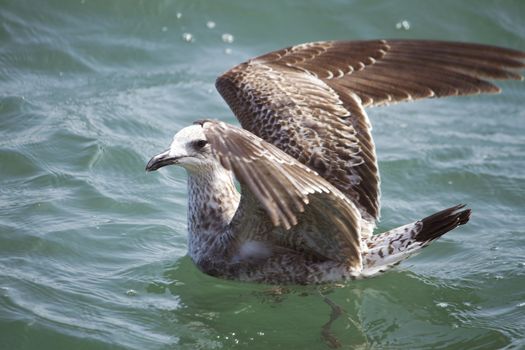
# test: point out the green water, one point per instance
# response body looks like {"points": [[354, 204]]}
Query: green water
{"points": [[92, 249]]}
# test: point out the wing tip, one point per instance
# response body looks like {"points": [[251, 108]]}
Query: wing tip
{"points": [[494, 90]]}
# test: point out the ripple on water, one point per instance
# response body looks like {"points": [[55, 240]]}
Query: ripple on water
{"points": [[93, 248]]}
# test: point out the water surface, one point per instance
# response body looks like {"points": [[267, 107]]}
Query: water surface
{"points": [[92, 249]]}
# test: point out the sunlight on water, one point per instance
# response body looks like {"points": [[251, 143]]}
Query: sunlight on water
{"points": [[227, 38], [92, 249]]}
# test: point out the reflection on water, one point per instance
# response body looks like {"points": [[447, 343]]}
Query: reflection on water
{"points": [[92, 249], [374, 312]]}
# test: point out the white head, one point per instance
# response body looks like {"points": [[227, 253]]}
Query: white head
{"points": [[189, 149]]}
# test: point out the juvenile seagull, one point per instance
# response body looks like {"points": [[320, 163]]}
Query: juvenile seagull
{"points": [[306, 161]]}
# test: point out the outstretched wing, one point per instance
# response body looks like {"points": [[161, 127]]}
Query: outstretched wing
{"points": [[277, 190], [309, 99]]}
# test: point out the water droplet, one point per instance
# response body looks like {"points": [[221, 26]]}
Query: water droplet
{"points": [[187, 37], [450, 182], [228, 51], [404, 24], [227, 38], [236, 341], [178, 15], [210, 24], [164, 29], [260, 333], [131, 292], [442, 305]]}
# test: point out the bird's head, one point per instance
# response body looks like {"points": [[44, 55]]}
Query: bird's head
{"points": [[189, 149]]}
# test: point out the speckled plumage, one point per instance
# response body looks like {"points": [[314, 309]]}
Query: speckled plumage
{"points": [[306, 160]]}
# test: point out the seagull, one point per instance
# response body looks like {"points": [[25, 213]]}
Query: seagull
{"points": [[306, 162]]}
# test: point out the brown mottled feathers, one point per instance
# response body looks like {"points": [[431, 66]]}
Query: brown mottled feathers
{"points": [[289, 192], [309, 99]]}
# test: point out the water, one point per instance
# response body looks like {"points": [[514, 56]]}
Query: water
{"points": [[92, 249]]}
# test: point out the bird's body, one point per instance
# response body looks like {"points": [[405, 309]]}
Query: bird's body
{"points": [[306, 160]]}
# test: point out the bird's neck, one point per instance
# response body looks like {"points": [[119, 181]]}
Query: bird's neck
{"points": [[213, 200]]}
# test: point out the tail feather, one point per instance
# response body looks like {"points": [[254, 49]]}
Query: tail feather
{"points": [[392, 247], [436, 225]]}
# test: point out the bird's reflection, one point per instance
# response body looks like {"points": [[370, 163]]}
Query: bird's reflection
{"points": [[357, 314]]}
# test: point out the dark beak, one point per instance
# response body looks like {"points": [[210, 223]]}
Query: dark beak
{"points": [[161, 160]]}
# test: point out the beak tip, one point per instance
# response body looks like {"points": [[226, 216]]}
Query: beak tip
{"points": [[151, 166], [159, 161]]}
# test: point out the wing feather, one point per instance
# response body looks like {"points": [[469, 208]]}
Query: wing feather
{"points": [[309, 99], [316, 217]]}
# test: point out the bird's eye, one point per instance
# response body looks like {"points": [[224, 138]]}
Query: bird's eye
{"points": [[200, 144]]}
